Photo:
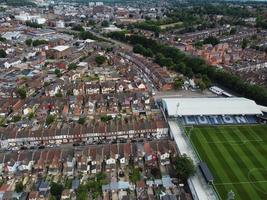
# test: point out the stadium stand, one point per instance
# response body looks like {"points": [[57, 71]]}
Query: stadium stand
{"points": [[212, 111]]}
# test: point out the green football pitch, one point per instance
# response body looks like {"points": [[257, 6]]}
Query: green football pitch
{"points": [[236, 156]]}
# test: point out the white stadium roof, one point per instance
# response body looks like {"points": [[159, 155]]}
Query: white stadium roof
{"points": [[263, 108], [210, 106]]}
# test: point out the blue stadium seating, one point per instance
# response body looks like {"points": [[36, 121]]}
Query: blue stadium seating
{"points": [[251, 119], [218, 120]]}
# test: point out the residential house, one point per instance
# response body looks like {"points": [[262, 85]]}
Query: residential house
{"points": [[66, 194], [44, 186], [33, 195]]}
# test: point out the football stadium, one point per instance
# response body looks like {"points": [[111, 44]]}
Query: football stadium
{"points": [[227, 137], [213, 111]]}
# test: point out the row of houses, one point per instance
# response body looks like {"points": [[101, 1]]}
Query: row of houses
{"points": [[89, 88], [92, 131], [158, 75], [91, 159]]}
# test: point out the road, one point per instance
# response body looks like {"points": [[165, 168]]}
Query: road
{"points": [[118, 43], [183, 94]]}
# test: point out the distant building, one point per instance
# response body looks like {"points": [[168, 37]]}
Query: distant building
{"points": [[60, 24], [111, 28], [33, 18], [11, 35], [59, 52]]}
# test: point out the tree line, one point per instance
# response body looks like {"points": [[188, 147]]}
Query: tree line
{"points": [[189, 65]]}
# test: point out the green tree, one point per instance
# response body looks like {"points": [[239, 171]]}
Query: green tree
{"points": [[141, 50], [49, 119], [100, 60], [57, 72], [3, 53], [82, 193], [31, 115], [178, 83], [198, 44], [138, 48], [33, 24], [150, 26], [78, 27], [184, 167], [84, 35], [68, 183], [202, 86], [181, 67], [56, 189], [28, 42], [211, 40], [72, 66], [82, 120], [163, 61], [59, 94], [46, 84], [206, 80], [135, 175], [105, 23], [19, 187], [2, 39], [52, 197], [105, 118], [16, 118], [94, 186], [100, 176], [261, 22], [233, 31], [21, 91], [2, 123], [39, 42]]}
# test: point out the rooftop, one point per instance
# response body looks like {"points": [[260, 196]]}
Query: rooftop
{"points": [[210, 106], [61, 48]]}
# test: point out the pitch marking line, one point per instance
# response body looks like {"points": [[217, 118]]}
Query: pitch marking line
{"points": [[234, 141], [256, 136], [239, 183], [255, 186]]}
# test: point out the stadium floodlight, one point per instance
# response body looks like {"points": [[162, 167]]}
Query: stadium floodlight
{"points": [[177, 107]]}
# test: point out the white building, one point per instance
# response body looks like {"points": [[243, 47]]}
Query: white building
{"points": [[27, 17], [39, 20], [11, 35], [60, 24], [111, 28]]}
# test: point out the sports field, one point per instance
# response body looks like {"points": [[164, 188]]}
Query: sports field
{"points": [[236, 156]]}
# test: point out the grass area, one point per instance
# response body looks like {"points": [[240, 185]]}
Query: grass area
{"points": [[236, 156], [171, 25]]}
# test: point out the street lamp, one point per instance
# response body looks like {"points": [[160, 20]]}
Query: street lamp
{"points": [[190, 133]]}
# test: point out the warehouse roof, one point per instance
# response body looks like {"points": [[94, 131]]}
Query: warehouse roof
{"points": [[61, 48], [210, 106]]}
